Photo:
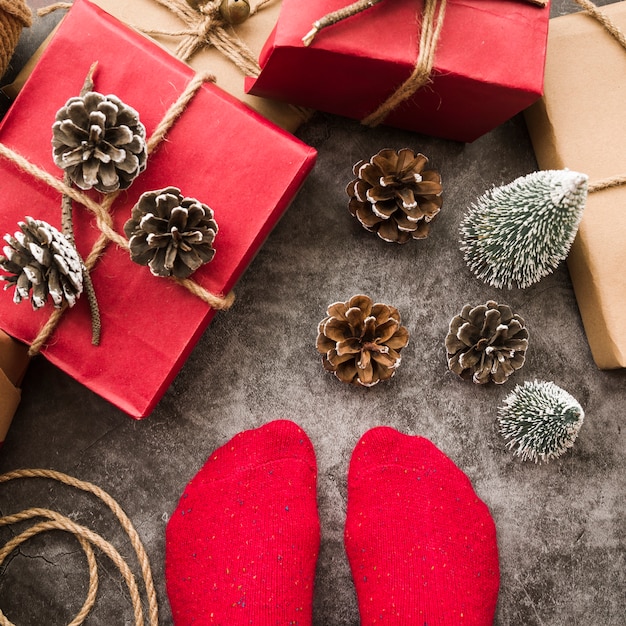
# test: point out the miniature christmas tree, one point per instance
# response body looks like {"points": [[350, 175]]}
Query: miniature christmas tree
{"points": [[540, 420], [518, 233]]}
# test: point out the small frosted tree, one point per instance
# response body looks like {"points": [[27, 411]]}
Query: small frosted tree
{"points": [[516, 234], [540, 421]]}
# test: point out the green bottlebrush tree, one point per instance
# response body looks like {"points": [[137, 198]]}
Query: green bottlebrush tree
{"points": [[540, 421], [516, 234]]}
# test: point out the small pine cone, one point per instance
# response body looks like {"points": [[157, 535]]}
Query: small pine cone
{"points": [[394, 196], [486, 343], [41, 262], [171, 234], [361, 341], [100, 142]]}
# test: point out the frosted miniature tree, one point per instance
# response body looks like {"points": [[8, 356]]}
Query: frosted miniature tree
{"points": [[516, 234], [540, 421]]}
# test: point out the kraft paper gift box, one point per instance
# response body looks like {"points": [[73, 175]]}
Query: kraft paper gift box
{"points": [[579, 124], [218, 151], [488, 63]]}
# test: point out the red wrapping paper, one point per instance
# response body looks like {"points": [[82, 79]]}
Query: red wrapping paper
{"points": [[489, 63], [218, 151]]}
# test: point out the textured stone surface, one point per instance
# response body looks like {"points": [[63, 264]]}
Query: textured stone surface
{"points": [[561, 526]]}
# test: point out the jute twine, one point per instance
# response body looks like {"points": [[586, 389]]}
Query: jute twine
{"points": [[14, 15], [88, 540], [205, 26], [102, 211]]}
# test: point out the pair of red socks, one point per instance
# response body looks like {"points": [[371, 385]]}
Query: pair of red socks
{"points": [[242, 545]]}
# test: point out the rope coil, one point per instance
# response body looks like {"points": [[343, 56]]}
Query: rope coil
{"points": [[88, 540]]}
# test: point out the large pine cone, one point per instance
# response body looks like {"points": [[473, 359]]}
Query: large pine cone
{"points": [[361, 341], [171, 234], [100, 142], [41, 261], [486, 343], [394, 196]]}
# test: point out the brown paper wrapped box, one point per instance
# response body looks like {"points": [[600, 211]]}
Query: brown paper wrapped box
{"points": [[13, 363], [579, 124], [149, 15]]}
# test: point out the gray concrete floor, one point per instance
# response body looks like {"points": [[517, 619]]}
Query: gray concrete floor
{"points": [[561, 526]]}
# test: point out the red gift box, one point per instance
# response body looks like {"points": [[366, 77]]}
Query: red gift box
{"points": [[488, 63], [218, 151]]}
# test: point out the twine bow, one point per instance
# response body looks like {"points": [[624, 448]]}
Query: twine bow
{"points": [[102, 211], [205, 26]]}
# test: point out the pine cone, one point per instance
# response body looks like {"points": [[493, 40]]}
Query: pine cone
{"points": [[171, 234], [100, 142], [361, 341], [486, 343], [394, 196], [40, 259]]}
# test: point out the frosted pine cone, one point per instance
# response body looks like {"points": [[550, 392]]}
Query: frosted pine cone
{"points": [[361, 341], [171, 234], [486, 343], [99, 141], [41, 262], [394, 196]]}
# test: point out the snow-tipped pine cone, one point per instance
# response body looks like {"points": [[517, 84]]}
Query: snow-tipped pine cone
{"points": [[99, 142], [41, 262], [171, 234]]}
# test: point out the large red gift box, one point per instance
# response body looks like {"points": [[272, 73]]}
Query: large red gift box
{"points": [[488, 64], [218, 151]]}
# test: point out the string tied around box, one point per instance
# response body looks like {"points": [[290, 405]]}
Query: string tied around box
{"points": [[88, 539], [430, 26], [102, 211], [205, 24]]}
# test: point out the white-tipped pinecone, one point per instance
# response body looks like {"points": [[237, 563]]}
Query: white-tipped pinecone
{"points": [[100, 142], [41, 262], [171, 234]]}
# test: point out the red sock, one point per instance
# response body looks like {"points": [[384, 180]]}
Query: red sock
{"points": [[242, 545], [421, 545]]}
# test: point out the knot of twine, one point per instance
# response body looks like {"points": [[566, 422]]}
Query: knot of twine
{"points": [[14, 15], [102, 211], [87, 539], [205, 26]]}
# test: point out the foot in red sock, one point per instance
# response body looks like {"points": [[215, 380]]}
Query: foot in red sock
{"points": [[421, 544], [242, 545]]}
